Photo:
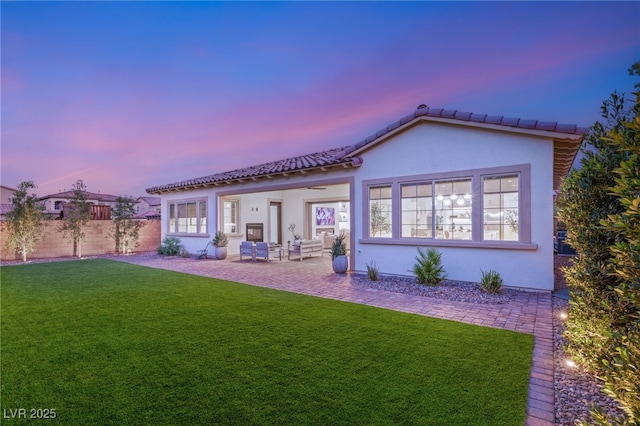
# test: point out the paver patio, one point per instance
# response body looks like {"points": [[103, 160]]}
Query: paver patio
{"points": [[530, 312]]}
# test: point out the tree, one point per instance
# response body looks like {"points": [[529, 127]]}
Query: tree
{"points": [[379, 220], [77, 213], [599, 203], [125, 227], [25, 221]]}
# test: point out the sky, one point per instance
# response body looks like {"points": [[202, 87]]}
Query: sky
{"points": [[130, 95]]}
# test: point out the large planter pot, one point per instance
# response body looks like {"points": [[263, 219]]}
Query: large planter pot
{"points": [[221, 253], [340, 264]]}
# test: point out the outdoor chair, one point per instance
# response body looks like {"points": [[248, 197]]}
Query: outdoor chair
{"points": [[247, 249], [262, 251]]}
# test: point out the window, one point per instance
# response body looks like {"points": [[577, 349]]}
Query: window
{"points": [[380, 209], [501, 208], [230, 216], [470, 208], [57, 205], [417, 211], [188, 217], [453, 210]]}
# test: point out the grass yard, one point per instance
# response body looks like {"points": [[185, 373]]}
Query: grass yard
{"points": [[104, 342]]}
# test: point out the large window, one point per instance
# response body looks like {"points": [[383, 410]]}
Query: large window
{"points": [[230, 216], [501, 209], [380, 211], [188, 217], [488, 207]]}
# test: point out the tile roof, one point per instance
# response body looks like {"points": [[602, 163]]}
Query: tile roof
{"points": [[89, 195], [322, 160], [347, 156], [152, 201], [441, 114]]}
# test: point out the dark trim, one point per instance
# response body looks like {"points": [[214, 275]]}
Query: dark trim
{"points": [[477, 222]]}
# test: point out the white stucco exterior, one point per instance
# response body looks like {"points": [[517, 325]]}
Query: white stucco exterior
{"points": [[438, 148], [423, 149]]}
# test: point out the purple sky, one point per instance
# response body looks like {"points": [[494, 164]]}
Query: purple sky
{"points": [[131, 95]]}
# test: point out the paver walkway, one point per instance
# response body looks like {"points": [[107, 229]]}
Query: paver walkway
{"points": [[530, 312]]}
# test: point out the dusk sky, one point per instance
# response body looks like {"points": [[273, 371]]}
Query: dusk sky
{"points": [[127, 95]]}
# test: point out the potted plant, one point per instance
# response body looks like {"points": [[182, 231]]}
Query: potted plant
{"points": [[220, 242], [339, 260], [296, 237]]}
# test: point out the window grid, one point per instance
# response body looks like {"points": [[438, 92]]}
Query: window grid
{"points": [[417, 210], [465, 209], [188, 217], [380, 211], [453, 203], [501, 213], [230, 216]]}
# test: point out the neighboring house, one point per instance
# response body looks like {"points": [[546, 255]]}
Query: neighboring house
{"points": [[148, 208], [101, 203], [6, 194], [478, 188]]}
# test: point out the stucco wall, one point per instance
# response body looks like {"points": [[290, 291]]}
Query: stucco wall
{"points": [[436, 148], [427, 148], [97, 240]]}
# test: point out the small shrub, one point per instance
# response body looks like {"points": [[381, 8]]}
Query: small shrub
{"points": [[428, 268], [220, 240], [372, 271], [170, 246], [491, 282]]}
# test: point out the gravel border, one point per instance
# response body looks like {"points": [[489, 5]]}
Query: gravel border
{"points": [[459, 291], [576, 391]]}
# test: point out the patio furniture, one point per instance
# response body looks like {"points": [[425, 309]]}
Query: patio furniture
{"points": [[247, 249], [305, 248], [262, 251]]}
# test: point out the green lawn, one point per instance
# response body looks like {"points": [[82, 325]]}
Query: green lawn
{"points": [[104, 342]]}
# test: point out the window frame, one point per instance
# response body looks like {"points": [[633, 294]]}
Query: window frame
{"points": [[501, 208], [235, 201], [390, 216], [477, 225], [201, 223]]}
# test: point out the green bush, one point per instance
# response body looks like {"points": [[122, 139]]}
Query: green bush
{"points": [[372, 271], [170, 246], [428, 268], [600, 206], [491, 282]]}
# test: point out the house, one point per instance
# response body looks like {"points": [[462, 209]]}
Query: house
{"points": [[101, 203], [148, 208], [6, 194], [478, 188]]}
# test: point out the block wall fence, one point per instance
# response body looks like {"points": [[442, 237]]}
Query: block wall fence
{"points": [[97, 240]]}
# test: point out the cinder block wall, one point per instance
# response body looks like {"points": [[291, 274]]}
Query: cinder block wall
{"points": [[97, 240]]}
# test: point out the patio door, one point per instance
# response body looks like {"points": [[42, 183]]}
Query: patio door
{"points": [[275, 219]]}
